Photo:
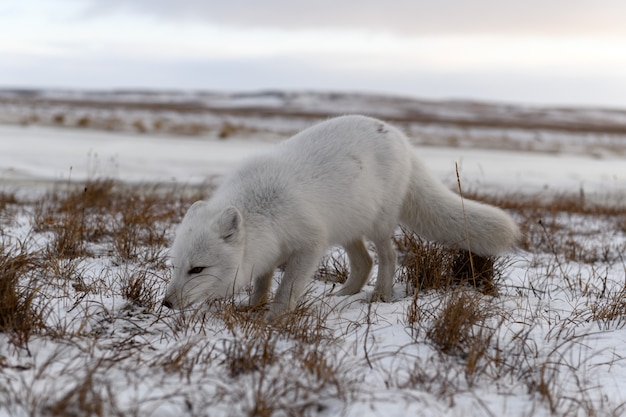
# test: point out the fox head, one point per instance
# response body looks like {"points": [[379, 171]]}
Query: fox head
{"points": [[206, 255]]}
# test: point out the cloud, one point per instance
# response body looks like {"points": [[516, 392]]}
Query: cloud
{"points": [[524, 51], [403, 17]]}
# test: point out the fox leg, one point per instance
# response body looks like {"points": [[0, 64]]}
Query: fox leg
{"points": [[298, 272], [360, 267], [387, 258], [261, 288]]}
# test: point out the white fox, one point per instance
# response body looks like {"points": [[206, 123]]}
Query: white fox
{"points": [[335, 183]]}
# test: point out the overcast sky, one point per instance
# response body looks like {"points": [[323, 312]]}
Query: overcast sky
{"points": [[570, 52]]}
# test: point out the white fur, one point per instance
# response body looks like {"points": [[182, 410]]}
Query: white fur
{"points": [[336, 183]]}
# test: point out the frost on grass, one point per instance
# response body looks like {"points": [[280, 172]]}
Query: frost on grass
{"points": [[82, 331]]}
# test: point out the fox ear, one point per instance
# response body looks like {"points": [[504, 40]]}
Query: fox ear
{"points": [[230, 224]]}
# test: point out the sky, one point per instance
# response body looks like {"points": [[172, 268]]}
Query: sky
{"points": [[557, 52]]}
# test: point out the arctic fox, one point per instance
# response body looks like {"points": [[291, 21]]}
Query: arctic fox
{"points": [[339, 182]]}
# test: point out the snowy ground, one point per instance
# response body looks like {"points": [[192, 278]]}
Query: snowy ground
{"points": [[546, 345]]}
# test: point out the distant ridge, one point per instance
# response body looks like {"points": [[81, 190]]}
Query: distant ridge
{"points": [[308, 104]]}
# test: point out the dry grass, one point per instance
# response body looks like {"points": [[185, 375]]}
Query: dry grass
{"points": [[7, 199], [20, 316], [611, 308], [431, 266], [452, 330], [87, 282], [333, 269]]}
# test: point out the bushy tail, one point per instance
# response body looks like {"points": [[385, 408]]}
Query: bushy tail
{"points": [[434, 212]]}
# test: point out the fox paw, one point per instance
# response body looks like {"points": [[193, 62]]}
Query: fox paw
{"points": [[381, 296]]}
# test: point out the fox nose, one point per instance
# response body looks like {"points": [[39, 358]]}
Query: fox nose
{"points": [[167, 303]]}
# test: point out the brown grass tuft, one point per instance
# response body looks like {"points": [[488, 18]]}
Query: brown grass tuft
{"points": [[454, 330], [228, 129], [431, 266], [18, 314], [7, 199], [140, 288], [610, 309], [332, 269]]}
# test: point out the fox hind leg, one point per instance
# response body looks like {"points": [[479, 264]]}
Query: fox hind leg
{"points": [[360, 267], [387, 258]]}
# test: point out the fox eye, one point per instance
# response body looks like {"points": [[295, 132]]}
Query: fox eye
{"points": [[196, 270]]}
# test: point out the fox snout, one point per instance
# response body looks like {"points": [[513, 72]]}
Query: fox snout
{"points": [[173, 301], [176, 300]]}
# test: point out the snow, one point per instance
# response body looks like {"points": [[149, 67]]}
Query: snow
{"points": [[392, 369], [48, 154]]}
